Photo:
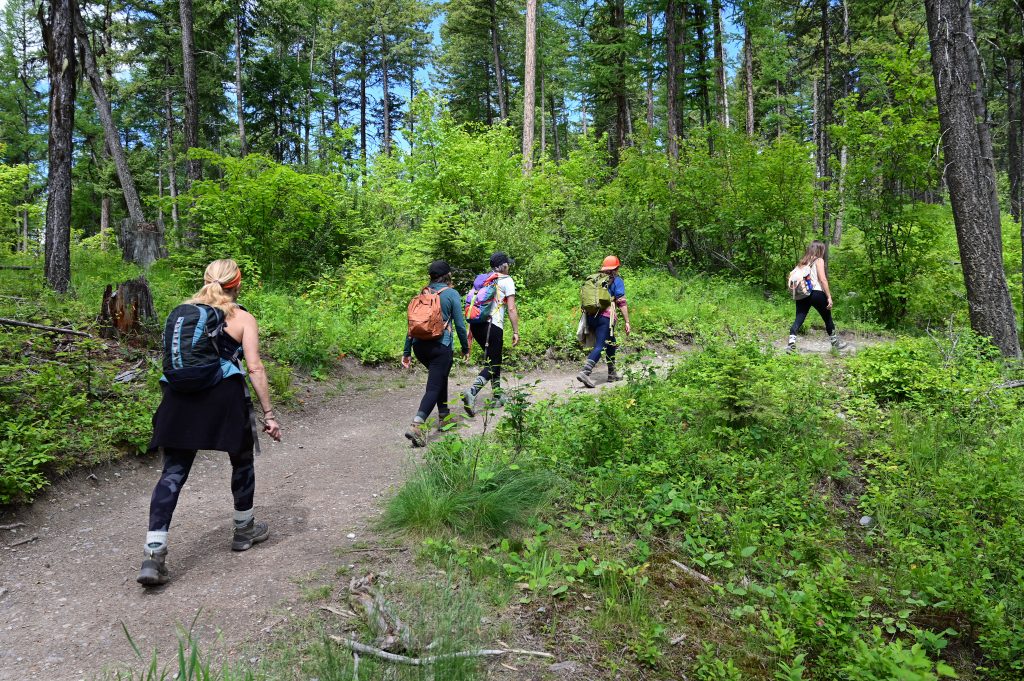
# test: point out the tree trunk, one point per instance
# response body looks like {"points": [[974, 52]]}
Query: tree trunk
{"points": [[700, 16], [239, 95], [104, 221], [125, 310], [412, 96], [672, 71], [721, 94], [529, 81], [748, 71], [554, 130], [543, 122], [362, 106], [837, 227], [193, 168], [649, 90], [499, 70], [110, 133], [172, 173], [779, 110], [335, 87], [386, 99], [969, 171], [824, 120], [1013, 114], [59, 41]]}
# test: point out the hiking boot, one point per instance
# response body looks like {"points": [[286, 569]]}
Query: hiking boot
{"points": [[445, 422], [249, 534], [613, 375], [584, 375], [154, 571], [417, 435], [791, 345], [469, 402], [837, 342]]}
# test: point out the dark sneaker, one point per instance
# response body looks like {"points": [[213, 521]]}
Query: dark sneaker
{"points": [[468, 403], [154, 571], [584, 378], [416, 435], [245, 537]]}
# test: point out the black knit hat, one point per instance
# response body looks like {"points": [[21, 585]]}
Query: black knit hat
{"points": [[438, 269]]}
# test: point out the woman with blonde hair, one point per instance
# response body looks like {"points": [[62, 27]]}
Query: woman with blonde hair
{"points": [[808, 284], [208, 406]]}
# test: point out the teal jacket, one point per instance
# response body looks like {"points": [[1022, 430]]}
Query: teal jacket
{"points": [[451, 311]]}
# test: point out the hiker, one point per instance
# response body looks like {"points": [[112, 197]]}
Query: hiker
{"points": [[208, 407], [437, 353], [498, 292], [607, 293], [808, 285]]}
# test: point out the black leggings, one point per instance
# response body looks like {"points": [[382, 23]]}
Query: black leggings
{"points": [[493, 346], [819, 301], [438, 359], [177, 464]]}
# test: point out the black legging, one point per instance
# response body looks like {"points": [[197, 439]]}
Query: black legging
{"points": [[819, 301], [177, 465], [438, 359], [493, 344]]}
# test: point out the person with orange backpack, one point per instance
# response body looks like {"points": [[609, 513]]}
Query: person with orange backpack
{"points": [[602, 299], [432, 315]]}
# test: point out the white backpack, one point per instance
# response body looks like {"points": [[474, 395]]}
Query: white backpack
{"points": [[800, 282]]}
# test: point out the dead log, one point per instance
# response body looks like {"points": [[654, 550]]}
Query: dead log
{"points": [[42, 327], [125, 310], [358, 647]]}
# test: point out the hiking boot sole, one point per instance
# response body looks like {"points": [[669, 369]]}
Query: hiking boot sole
{"points": [[415, 439], [467, 404], [247, 543]]}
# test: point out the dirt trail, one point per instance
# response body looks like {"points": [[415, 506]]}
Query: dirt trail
{"points": [[65, 595]]}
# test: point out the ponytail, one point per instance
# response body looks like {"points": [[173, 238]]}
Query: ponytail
{"points": [[221, 276]]}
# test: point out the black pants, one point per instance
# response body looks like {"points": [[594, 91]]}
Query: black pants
{"points": [[177, 465], [438, 359], [493, 345], [819, 301]]}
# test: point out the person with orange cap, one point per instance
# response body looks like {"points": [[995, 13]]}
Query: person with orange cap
{"points": [[602, 324]]}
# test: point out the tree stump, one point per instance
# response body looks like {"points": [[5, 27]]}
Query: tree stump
{"points": [[142, 243], [126, 310]]}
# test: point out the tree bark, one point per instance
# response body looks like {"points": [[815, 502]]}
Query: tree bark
{"points": [[543, 122], [529, 82], [1013, 114], [748, 71], [385, 87], [193, 168], [243, 148], [362, 106], [172, 173], [675, 237], [554, 129], [721, 94], [622, 117], [499, 70], [59, 41], [126, 309], [970, 172], [700, 16], [649, 90]]}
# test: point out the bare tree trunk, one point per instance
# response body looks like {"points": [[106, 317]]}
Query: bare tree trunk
{"points": [[386, 99], [59, 41], [721, 94], [554, 129], [239, 94], [622, 117], [24, 231], [837, 226], [700, 16], [529, 83], [172, 173], [779, 110], [1013, 115], [362, 105], [649, 90], [969, 171], [104, 221], [193, 168], [159, 192], [816, 136], [748, 71], [499, 70], [412, 96], [543, 122], [335, 88], [675, 236]]}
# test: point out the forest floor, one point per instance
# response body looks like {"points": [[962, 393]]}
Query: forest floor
{"points": [[66, 593]]}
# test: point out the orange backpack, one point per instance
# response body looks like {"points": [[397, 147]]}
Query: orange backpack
{"points": [[425, 319]]}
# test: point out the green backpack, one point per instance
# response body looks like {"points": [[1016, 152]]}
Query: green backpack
{"points": [[594, 295]]}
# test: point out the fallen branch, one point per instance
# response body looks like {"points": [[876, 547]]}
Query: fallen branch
{"points": [[338, 611], [23, 541], [12, 526], [43, 327], [389, 629], [14, 267], [358, 647], [376, 548], [690, 572], [1011, 384]]}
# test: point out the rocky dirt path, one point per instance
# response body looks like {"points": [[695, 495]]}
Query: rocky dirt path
{"points": [[65, 595]]}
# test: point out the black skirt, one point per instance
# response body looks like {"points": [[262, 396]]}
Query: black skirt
{"points": [[218, 418]]}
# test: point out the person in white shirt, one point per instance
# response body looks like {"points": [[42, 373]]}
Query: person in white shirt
{"points": [[489, 332]]}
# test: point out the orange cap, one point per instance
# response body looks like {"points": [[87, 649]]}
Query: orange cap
{"points": [[610, 263]]}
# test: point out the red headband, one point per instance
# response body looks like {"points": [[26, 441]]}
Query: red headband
{"points": [[234, 282]]}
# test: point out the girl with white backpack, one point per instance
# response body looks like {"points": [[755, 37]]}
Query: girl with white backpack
{"points": [[808, 284]]}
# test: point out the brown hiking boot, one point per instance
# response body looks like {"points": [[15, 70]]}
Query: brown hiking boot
{"points": [[417, 435], [252, 533]]}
